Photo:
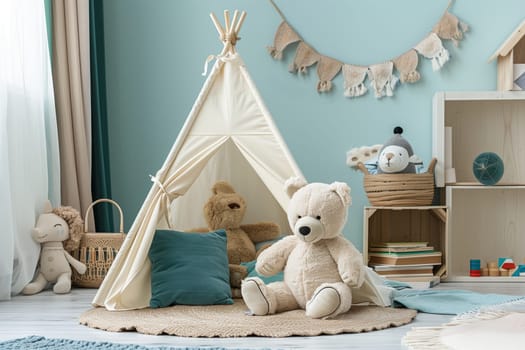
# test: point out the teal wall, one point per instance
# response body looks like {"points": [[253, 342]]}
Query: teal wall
{"points": [[155, 53]]}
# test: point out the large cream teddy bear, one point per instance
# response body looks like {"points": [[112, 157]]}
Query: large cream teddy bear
{"points": [[321, 267], [59, 231]]}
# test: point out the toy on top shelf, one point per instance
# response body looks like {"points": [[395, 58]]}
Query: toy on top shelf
{"points": [[396, 156], [395, 181], [488, 168]]}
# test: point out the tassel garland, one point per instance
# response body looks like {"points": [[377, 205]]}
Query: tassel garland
{"points": [[382, 77]]}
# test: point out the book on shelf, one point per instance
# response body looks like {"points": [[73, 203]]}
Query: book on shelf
{"points": [[401, 249], [403, 270], [405, 258], [398, 244]]}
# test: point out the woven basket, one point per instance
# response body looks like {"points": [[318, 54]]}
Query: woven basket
{"points": [[97, 250], [400, 190]]}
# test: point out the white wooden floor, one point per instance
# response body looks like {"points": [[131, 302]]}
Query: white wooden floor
{"points": [[56, 316]]}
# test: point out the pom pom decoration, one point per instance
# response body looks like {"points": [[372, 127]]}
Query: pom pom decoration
{"points": [[488, 168]]}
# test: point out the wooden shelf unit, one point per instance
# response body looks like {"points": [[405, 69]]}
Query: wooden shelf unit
{"points": [[484, 222], [481, 122], [407, 224]]}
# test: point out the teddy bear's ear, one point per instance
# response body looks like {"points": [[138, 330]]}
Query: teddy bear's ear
{"points": [[48, 207], [293, 184], [222, 187], [343, 191]]}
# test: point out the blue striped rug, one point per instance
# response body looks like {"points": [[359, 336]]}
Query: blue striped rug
{"points": [[41, 343]]}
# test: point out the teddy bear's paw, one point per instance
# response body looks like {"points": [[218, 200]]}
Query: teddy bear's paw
{"points": [[266, 270], [62, 286], [255, 296], [236, 279], [236, 293], [271, 268], [323, 303], [31, 288], [36, 286]]}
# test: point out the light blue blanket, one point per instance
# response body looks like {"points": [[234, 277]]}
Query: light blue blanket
{"points": [[446, 301]]}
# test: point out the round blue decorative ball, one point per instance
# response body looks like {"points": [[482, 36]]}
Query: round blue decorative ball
{"points": [[488, 168]]}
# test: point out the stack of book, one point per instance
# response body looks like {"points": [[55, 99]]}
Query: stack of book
{"points": [[404, 261]]}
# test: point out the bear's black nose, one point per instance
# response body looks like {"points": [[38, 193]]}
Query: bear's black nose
{"points": [[304, 230], [234, 206]]}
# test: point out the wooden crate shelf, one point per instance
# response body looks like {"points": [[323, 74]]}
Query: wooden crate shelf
{"points": [[407, 224]]}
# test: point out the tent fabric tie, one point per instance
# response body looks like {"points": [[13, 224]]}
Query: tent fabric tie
{"points": [[167, 196], [210, 58]]}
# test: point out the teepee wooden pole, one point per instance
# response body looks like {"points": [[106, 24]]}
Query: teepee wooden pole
{"points": [[234, 20], [239, 23], [217, 25], [227, 21]]}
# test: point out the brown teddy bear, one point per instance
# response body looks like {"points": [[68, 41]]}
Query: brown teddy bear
{"points": [[225, 210]]}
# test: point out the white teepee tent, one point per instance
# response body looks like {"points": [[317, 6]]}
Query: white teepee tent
{"points": [[228, 135]]}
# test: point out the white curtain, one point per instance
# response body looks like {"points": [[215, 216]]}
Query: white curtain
{"points": [[29, 163]]}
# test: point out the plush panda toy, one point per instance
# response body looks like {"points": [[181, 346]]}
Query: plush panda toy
{"points": [[396, 155]]}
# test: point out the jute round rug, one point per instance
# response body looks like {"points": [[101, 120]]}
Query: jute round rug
{"points": [[226, 321]]}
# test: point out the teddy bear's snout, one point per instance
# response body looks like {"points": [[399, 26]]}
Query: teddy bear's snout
{"points": [[234, 206], [304, 230], [309, 229]]}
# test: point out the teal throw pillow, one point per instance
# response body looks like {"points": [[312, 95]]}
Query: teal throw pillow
{"points": [[189, 269]]}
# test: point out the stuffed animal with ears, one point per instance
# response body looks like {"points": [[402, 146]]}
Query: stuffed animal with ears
{"points": [[396, 156], [321, 267], [58, 231], [225, 209]]}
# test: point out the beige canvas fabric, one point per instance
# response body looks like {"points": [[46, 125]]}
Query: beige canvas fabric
{"points": [[228, 135]]}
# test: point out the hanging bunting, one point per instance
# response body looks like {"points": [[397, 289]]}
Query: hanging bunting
{"points": [[327, 69], [305, 57], [450, 27], [406, 65], [382, 78], [432, 48], [284, 36], [354, 77]]}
